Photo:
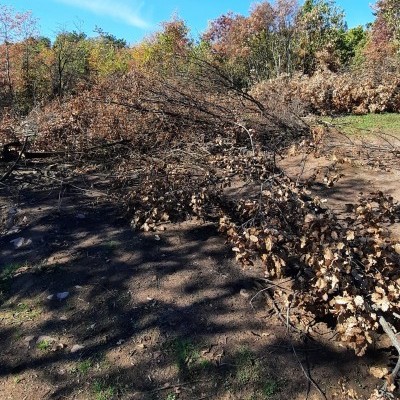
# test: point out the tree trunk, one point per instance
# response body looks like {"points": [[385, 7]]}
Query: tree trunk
{"points": [[8, 72]]}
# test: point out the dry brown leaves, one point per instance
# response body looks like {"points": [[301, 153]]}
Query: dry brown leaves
{"points": [[347, 269], [187, 142], [371, 89]]}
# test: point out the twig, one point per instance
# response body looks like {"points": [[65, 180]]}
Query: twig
{"points": [[288, 317], [271, 285], [178, 385], [303, 166], [95, 192], [279, 314], [395, 343], [249, 135], [278, 284], [60, 194], [307, 375], [259, 292]]}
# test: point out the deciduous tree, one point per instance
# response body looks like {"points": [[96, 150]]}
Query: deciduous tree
{"points": [[70, 65], [14, 27], [320, 27]]}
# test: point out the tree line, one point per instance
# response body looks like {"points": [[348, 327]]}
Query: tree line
{"points": [[275, 39]]}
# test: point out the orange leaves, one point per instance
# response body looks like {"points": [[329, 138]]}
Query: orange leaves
{"points": [[373, 89]]}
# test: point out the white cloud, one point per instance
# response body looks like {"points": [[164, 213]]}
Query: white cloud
{"points": [[130, 14]]}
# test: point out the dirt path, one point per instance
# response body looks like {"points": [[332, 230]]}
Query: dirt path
{"points": [[344, 172], [161, 315]]}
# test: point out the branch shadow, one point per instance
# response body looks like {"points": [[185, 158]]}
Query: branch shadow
{"points": [[153, 314]]}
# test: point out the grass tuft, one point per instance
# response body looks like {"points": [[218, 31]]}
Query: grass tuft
{"points": [[102, 391], [44, 345]]}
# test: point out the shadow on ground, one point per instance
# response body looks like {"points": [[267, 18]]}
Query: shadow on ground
{"points": [[158, 315]]}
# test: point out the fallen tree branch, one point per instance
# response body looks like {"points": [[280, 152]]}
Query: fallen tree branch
{"points": [[11, 169], [29, 155], [395, 342]]}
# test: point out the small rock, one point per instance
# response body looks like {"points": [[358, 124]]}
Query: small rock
{"points": [[50, 297], [244, 293], [45, 338], [120, 341], [63, 318], [30, 341], [21, 242], [157, 237], [80, 216], [62, 295], [29, 338], [77, 347], [78, 287], [14, 230]]}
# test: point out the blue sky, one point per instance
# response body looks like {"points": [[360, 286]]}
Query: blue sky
{"points": [[134, 19]]}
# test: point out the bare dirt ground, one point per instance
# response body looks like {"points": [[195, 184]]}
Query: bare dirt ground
{"points": [[346, 167], [94, 310]]}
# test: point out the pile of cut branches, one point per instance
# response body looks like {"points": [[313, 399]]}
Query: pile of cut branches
{"points": [[190, 136], [370, 90]]}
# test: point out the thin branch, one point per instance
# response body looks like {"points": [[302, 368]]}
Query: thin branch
{"points": [[395, 342], [307, 375], [11, 169], [169, 386], [249, 135]]}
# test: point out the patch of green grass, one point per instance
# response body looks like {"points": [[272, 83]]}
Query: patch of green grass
{"points": [[270, 387], [21, 312], [9, 270], [187, 357], [6, 274], [186, 351], [103, 391], [203, 363], [252, 374], [171, 396], [370, 123], [186, 354], [22, 308], [44, 345], [84, 366], [25, 311], [112, 245], [248, 370], [43, 267]]}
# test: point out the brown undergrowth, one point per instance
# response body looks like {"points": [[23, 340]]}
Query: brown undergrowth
{"points": [[174, 145]]}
